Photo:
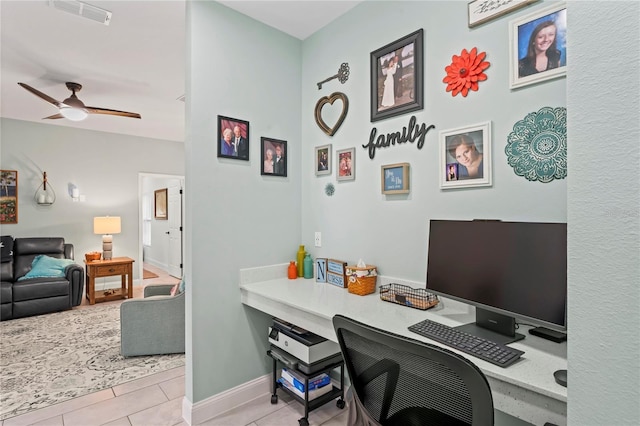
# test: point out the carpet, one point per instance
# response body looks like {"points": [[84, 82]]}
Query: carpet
{"points": [[148, 274], [51, 358]]}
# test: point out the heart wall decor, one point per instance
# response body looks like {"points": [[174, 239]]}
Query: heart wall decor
{"points": [[330, 100]]}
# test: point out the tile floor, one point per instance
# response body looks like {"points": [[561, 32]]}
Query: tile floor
{"points": [[156, 400]]}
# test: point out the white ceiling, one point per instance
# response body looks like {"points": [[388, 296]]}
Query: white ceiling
{"points": [[135, 64]]}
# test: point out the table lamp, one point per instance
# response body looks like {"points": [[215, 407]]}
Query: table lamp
{"points": [[106, 225]]}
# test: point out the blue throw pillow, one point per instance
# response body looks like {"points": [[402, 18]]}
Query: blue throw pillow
{"points": [[46, 266], [182, 286]]}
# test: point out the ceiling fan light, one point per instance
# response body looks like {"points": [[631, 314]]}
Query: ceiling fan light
{"points": [[74, 114]]}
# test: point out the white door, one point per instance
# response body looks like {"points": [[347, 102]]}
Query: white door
{"points": [[174, 212]]}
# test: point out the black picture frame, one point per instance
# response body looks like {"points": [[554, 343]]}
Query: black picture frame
{"points": [[229, 150], [408, 85], [275, 168]]}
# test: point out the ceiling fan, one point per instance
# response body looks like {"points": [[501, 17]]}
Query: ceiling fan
{"points": [[73, 108]]}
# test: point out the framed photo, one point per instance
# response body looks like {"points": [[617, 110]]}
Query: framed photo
{"points": [[395, 178], [322, 160], [346, 160], [233, 138], [160, 204], [273, 157], [465, 156], [538, 46], [481, 11], [8, 196], [397, 77]]}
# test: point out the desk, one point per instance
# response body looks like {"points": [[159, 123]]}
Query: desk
{"points": [[526, 389], [122, 266]]}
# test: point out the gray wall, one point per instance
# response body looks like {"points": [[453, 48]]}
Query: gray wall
{"points": [[104, 167], [236, 218], [391, 231], [604, 215]]}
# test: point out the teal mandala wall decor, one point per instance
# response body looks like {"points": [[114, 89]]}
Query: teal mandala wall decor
{"points": [[537, 146]]}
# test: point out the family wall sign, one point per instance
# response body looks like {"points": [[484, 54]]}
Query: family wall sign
{"points": [[411, 133]]}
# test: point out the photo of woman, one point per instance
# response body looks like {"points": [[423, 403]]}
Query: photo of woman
{"points": [[539, 46], [465, 155]]}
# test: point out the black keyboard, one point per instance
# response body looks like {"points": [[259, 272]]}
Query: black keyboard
{"points": [[484, 349]]}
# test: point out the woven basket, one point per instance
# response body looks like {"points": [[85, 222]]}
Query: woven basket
{"points": [[361, 285], [94, 255]]}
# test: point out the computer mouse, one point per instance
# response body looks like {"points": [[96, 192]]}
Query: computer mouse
{"points": [[561, 377]]}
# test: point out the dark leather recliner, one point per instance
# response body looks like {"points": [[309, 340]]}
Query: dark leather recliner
{"points": [[38, 295]]}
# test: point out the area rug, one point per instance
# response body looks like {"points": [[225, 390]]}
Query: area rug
{"points": [[148, 274], [51, 358]]}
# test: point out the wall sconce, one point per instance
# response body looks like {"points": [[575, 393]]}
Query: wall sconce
{"points": [[45, 195], [106, 226]]}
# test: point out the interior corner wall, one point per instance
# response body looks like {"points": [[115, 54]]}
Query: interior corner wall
{"points": [[391, 231], [236, 218], [103, 166], [604, 214]]}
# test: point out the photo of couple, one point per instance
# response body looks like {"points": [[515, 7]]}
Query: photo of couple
{"points": [[234, 138]]}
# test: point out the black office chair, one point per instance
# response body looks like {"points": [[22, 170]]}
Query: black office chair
{"points": [[400, 381]]}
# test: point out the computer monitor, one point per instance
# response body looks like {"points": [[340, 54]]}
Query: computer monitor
{"points": [[507, 270]]}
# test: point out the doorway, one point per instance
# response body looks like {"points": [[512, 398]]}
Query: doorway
{"points": [[161, 236]]}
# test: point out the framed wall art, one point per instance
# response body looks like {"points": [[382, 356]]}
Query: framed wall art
{"points": [[160, 204], [273, 154], [465, 156], [322, 160], [346, 161], [397, 77], [233, 138], [481, 11], [538, 46], [8, 196], [395, 178]]}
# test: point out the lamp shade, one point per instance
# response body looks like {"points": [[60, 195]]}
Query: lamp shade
{"points": [[106, 225]]}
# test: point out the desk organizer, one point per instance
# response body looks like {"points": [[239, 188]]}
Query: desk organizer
{"points": [[362, 280], [404, 295]]}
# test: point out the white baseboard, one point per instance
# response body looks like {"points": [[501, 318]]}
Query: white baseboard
{"points": [[221, 403]]}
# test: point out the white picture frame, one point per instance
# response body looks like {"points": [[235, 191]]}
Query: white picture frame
{"points": [[522, 70], [481, 11], [465, 143], [346, 164]]}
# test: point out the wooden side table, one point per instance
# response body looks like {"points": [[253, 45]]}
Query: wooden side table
{"points": [[122, 266]]}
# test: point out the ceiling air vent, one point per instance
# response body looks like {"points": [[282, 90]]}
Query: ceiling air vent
{"points": [[84, 10]]}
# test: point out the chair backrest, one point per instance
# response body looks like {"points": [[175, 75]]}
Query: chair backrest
{"points": [[402, 381]]}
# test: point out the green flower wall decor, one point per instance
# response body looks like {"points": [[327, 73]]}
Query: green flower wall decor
{"points": [[537, 146]]}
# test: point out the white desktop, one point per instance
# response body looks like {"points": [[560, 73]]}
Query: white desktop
{"points": [[526, 389]]}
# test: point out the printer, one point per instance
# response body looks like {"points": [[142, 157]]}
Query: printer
{"points": [[307, 347]]}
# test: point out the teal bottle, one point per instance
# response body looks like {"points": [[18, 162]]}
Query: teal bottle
{"points": [[308, 266]]}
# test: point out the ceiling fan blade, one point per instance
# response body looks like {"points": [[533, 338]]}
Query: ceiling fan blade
{"points": [[54, 116], [94, 110], [41, 95]]}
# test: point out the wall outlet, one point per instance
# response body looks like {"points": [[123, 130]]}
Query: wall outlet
{"points": [[318, 239]]}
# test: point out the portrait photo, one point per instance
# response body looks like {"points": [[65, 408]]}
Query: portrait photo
{"points": [[465, 156], [397, 77], [538, 46], [273, 157], [233, 138], [346, 161], [322, 160]]}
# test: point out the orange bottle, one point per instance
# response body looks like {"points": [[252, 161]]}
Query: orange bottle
{"points": [[292, 272]]}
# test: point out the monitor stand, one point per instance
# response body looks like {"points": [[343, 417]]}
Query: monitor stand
{"points": [[493, 326]]}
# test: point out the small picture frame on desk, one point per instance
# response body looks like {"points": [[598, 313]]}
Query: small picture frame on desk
{"points": [[321, 270], [336, 273]]}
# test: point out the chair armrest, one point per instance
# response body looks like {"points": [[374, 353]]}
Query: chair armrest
{"points": [[74, 273], [158, 290], [154, 325]]}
